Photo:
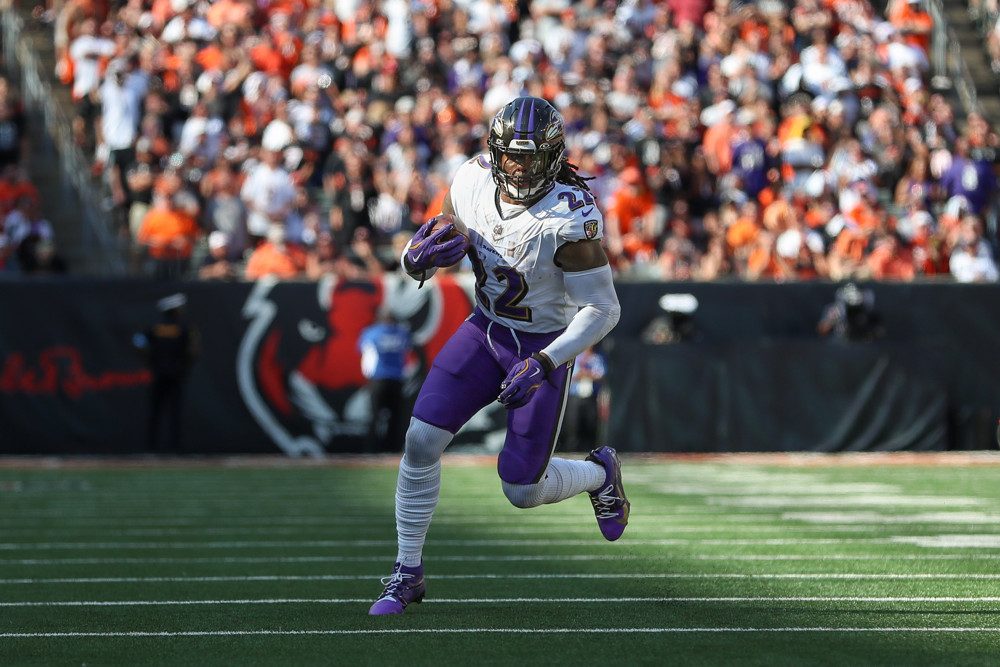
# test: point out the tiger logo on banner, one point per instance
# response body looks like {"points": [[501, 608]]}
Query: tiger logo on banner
{"points": [[298, 367]]}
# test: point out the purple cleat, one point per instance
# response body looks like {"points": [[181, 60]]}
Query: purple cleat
{"points": [[406, 585], [610, 504]]}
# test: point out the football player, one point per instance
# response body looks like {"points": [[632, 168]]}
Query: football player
{"points": [[544, 293]]}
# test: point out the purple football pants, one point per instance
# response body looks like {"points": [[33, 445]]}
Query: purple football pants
{"points": [[466, 377]]}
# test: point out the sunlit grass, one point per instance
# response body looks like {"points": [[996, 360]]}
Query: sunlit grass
{"points": [[729, 561]]}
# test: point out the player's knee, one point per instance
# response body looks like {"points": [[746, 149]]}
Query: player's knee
{"points": [[425, 443], [523, 495]]}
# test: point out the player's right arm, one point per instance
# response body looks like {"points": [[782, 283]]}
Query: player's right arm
{"points": [[447, 207], [424, 254]]}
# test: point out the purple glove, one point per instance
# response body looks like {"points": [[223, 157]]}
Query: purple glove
{"points": [[425, 252], [523, 380]]}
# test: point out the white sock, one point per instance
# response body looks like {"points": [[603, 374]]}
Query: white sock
{"points": [[417, 493], [418, 488], [566, 478]]}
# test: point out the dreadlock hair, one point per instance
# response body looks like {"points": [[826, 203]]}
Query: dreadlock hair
{"points": [[568, 175]]}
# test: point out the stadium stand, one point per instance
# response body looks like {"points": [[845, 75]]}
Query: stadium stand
{"points": [[763, 140]]}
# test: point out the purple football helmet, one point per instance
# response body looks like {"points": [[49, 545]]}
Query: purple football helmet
{"points": [[530, 131]]}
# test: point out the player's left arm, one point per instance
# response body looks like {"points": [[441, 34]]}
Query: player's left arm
{"points": [[588, 280]]}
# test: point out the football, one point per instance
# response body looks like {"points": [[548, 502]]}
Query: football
{"points": [[445, 219]]}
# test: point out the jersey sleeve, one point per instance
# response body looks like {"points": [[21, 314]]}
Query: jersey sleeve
{"points": [[580, 222]]}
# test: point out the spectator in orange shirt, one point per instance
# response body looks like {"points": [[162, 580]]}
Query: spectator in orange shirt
{"points": [[718, 139], [780, 214], [846, 256], [629, 220], [860, 204], [913, 22], [890, 259], [160, 12], [220, 54], [14, 185], [276, 257], [278, 49], [765, 263], [237, 14], [168, 233], [741, 233], [265, 55]]}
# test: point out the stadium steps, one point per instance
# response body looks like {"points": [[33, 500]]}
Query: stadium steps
{"points": [[970, 40], [46, 173], [57, 200], [60, 202]]}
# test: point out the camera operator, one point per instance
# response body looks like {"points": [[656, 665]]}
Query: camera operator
{"points": [[676, 324], [851, 316]]}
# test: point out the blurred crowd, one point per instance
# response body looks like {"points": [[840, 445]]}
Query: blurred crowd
{"points": [[767, 140]]}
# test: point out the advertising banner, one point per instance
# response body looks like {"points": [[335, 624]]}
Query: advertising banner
{"points": [[691, 367]]}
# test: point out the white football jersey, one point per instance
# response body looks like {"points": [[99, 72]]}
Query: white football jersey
{"points": [[517, 282]]}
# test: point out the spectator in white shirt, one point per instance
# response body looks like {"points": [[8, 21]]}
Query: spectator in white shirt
{"points": [[121, 110], [188, 24], [86, 51], [268, 192], [972, 258]]}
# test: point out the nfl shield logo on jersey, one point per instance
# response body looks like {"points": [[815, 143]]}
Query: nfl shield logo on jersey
{"points": [[590, 228], [497, 231]]}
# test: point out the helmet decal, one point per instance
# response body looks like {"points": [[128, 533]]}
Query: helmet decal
{"points": [[519, 127], [554, 130]]}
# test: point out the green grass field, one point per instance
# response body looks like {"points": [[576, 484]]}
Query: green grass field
{"points": [[808, 560]]}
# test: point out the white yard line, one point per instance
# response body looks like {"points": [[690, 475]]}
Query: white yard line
{"points": [[152, 603], [353, 577], [326, 544], [560, 527], [548, 558], [78, 513], [510, 631], [788, 503]]}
